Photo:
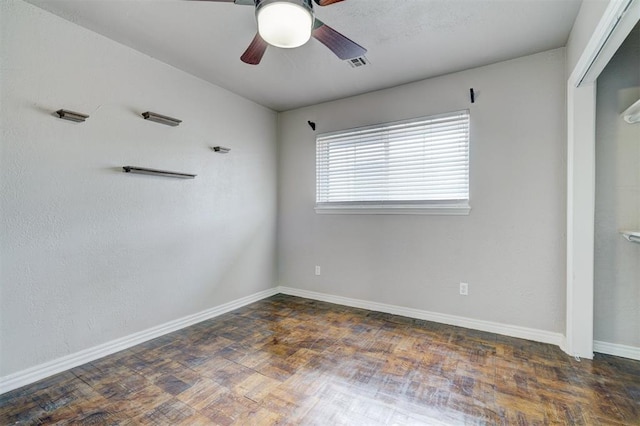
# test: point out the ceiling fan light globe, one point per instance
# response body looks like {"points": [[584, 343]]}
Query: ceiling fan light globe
{"points": [[284, 24]]}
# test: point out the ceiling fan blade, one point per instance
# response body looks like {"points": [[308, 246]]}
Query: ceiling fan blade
{"points": [[255, 51], [326, 2], [343, 47]]}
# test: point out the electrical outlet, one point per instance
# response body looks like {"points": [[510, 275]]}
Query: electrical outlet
{"points": [[464, 289], [317, 270]]}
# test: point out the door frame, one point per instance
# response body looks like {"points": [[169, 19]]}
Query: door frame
{"points": [[616, 23]]}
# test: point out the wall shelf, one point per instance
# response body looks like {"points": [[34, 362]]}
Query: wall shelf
{"points": [[632, 114], [156, 172], [633, 236], [77, 117], [162, 119]]}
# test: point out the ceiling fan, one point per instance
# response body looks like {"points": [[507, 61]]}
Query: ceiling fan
{"points": [[291, 23]]}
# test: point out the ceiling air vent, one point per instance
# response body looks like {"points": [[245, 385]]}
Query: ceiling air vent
{"points": [[358, 62]]}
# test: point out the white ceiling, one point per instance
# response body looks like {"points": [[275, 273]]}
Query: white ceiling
{"points": [[407, 40]]}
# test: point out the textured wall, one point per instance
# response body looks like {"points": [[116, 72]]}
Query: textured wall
{"points": [[510, 249], [90, 254], [617, 261]]}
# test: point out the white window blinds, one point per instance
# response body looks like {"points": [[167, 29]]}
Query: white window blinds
{"points": [[418, 161]]}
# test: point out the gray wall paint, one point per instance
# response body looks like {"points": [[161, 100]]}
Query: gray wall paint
{"points": [[617, 261], [89, 254], [510, 249]]}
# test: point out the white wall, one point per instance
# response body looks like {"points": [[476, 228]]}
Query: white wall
{"points": [[617, 261], [510, 249], [89, 254]]}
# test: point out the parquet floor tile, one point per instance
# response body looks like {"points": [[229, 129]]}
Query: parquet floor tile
{"points": [[290, 361]]}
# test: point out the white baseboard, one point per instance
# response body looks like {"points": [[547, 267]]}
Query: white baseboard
{"points": [[631, 352], [492, 327], [33, 374], [38, 372]]}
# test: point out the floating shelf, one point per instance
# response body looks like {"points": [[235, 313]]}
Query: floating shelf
{"points": [[77, 117], [632, 114], [159, 118], [156, 172], [633, 236], [221, 149]]}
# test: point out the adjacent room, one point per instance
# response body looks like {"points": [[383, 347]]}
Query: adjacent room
{"points": [[362, 212]]}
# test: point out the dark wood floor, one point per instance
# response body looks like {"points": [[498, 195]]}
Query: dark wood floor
{"points": [[286, 360]]}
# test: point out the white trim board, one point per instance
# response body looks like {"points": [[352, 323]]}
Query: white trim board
{"points": [[488, 326], [614, 26], [39, 372], [624, 351]]}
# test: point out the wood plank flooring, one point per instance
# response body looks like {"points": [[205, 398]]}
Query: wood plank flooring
{"points": [[287, 361]]}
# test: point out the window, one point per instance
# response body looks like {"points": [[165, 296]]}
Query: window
{"points": [[418, 166]]}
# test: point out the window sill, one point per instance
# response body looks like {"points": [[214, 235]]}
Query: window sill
{"points": [[388, 209]]}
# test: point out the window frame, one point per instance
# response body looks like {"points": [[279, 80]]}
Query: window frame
{"points": [[418, 207]]}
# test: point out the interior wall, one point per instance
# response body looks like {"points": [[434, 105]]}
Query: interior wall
{"points": [[617, 261], [90, 254], [510, 249]]}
